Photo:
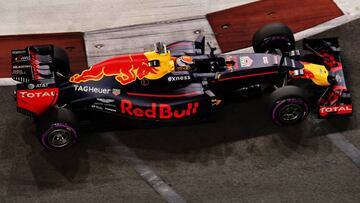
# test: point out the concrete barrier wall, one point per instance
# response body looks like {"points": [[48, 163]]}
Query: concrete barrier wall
{"points": [[45, 16], [105, 43]]}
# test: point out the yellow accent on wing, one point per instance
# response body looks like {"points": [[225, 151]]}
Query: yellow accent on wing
{"points": [[166, 64], [320, 74]]}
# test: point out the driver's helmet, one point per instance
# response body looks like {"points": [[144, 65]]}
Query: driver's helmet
{"points": [[184, 61]]}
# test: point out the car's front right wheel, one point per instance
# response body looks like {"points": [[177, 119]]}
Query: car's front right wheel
{"points": [[288, 105]]}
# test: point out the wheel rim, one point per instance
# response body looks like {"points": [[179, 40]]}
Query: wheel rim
{"points": [[59, 138], [291, 113]]}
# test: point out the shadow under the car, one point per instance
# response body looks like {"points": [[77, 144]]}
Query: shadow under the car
{"points": [[197, 142]]}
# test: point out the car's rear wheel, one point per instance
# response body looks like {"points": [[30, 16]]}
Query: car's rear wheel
{"points": [[57, 128], [288, 105], [272, 38]]}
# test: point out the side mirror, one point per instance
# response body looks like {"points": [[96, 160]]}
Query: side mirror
{"points": [[200, 44]]}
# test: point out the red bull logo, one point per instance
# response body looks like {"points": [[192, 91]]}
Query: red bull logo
{"points": [[158, 111], [127, 69]]}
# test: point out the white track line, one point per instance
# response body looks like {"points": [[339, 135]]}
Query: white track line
{"points": [[7, 82], [150, 177], [339, 141]]}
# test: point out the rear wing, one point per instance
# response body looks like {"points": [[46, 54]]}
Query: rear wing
{"points": [[337, 99], [33, 64]]}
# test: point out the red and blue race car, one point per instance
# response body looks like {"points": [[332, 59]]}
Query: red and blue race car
{"points": [[179, 83]]}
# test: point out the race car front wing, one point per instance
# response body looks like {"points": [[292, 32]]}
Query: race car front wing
{"points": [[336, 100]]}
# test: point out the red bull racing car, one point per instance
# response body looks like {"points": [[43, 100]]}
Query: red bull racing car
{"points": [[179, 83]]}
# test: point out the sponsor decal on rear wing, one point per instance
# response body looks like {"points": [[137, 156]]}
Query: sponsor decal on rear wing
{"points": [[21, 67], [28, 65]]}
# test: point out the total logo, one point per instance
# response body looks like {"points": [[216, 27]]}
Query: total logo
{"points": [[158, 111], [337, 109], [90, 89], [25, 94]]}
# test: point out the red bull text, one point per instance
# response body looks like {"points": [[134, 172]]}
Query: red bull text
{"points": [[158, 111]]}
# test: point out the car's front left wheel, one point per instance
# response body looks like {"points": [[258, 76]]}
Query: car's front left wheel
{"points": [[273, 38]]}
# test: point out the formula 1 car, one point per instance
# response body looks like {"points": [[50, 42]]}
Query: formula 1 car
{"points": [[179, 82]]}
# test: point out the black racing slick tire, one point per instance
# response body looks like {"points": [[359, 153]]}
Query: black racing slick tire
{"points": [[61, 61], [288, 106], [272, 37], [58, 128]]}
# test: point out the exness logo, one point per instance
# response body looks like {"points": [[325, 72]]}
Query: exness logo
{"points": [[158, 111]]}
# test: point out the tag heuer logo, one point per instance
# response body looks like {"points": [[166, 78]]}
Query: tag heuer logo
{"points": [[116, 92], [245, 61]]}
